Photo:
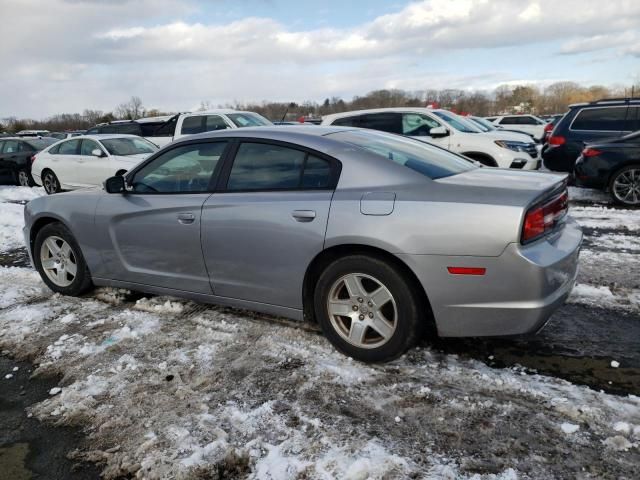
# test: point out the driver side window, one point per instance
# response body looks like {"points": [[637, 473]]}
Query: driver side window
{"points": [[186, 169], [416, 125]]}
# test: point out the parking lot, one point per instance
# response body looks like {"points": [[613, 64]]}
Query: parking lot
{"points": [[169, 388]]}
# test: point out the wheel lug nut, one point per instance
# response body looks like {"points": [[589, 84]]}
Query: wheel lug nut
{"points": [[360, 300], [355, 308], [370, 314], [361, 317], [370, 304]]}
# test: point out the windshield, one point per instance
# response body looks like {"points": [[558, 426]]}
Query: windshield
{"points": [[429, 160], [486, 125], [128, 146], [457, 122], [248, 119]]}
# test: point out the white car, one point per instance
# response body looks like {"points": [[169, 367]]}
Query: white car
{"points": [[165, 129], [447, 130], [88, 160], [527, 123]]}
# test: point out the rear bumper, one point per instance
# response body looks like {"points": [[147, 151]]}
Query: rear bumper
{"points": [[518, 293]]}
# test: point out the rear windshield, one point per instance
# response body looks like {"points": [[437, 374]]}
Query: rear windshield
{"points": [[430, 161], [248, 120], [40, 143], [128, 146]]}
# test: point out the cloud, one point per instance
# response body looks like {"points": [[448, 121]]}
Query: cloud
{"points": [[71, 54]]}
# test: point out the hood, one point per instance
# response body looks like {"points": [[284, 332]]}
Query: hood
{"points": [[503, 186], [510, 136]]}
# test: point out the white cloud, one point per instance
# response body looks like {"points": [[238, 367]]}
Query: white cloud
{"points": [[98, 53]]}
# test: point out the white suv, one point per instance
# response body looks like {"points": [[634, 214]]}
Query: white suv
{"points": [[447, 130], [527, 123], [162, 130]]}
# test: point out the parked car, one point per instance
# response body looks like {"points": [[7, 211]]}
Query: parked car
{"points": [[447, 130], [588, 123], [32, 133], [16, 156], [63, 135], [163, 130], [613, 166], [548, 128], [88, 160], [527, 123], [486, 126], [373, 235]]}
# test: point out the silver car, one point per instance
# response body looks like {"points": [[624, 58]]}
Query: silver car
{"points": [[373, 235]]}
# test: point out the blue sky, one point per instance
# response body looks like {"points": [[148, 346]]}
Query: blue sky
{"points": [[175, 54]]}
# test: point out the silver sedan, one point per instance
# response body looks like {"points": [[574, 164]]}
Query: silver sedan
{"points": [[374, 236]]}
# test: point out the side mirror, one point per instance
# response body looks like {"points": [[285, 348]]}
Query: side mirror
{"points": [[436, 132], [96, 152], [114, 184]]}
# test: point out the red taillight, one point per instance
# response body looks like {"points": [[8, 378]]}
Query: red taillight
{"points": [[548, 127], [543, 218], [33, 159], [466, 270], [556, 140], [590, 152]]}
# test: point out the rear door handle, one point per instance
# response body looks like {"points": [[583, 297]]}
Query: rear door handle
{"points": [[186, 218], [304, 215]]}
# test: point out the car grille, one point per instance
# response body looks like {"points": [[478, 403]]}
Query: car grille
{"points": [[532, 150]]}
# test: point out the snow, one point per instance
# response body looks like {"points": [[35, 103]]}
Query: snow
{"points": [[603, 296], [12, 215], [55, 391], [569, 428], [604, 217], [615, 364]]}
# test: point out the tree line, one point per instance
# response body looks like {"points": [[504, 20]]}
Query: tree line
{"points": [[505, 99]]}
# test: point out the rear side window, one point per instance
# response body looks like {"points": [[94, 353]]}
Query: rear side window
{"points": [[510, 121], [126, 128], [10, 146], [69, 148], [167, 129], [610, 119], [386, 122], [347, 122], [260, 166], [202, 123]]}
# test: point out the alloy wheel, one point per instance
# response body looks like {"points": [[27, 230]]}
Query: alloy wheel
{"points": [[58, 261], [50, 183], [626, 186], [362, 310]]}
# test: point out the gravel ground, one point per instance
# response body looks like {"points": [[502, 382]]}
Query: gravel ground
{"points": [[164, 388]]}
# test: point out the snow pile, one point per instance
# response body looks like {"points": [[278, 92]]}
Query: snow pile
{"points": [[12, 214], [602, 296], [17, 194], [602, 217]]}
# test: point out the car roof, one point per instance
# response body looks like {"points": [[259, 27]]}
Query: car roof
{"points": [[101, 136], [351, 113], [219, 111]]}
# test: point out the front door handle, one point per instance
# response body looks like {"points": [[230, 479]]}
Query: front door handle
{"points": [[304, 215], [186, 218]]}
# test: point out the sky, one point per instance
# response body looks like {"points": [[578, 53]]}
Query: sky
{"points": [[67, 55]]}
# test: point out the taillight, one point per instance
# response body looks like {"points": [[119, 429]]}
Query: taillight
{"points": [[590, 152], [548, 127], [33, 159], [556, 140], [543, 218]]}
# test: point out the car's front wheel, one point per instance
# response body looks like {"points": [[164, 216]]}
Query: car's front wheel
{"points": [[625, 186], [50, 182], [59, 260], [367, 308]]}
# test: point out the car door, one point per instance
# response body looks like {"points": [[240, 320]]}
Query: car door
{"points": [[6, 151], [65, 165], [152, 232], [595, 124], [262, 230], [93, 170]]}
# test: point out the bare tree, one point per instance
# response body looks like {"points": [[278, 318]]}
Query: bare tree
{"points": [[131, 110]]}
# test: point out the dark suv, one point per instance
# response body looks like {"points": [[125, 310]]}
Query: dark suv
{"points": [[587, 123]]}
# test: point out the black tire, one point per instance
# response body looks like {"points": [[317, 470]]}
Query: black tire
{"points": [[82, 280], [485, 160], [620, 173], [409, 319], [50, 182], [24, 179]]}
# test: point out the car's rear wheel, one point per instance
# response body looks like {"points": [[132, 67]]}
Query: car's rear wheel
{"points": [[625, 186], [367, 308], [23, 178], [60, 262], [50, 182]]}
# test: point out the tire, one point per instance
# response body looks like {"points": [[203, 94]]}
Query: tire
{"points": [[50, 182], [24, 179], [55, 252], [624, 186], [483, 159], [353, 333]]}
